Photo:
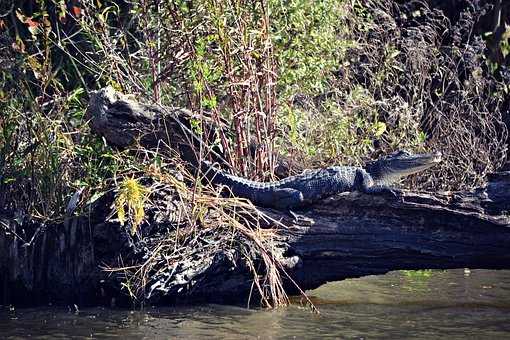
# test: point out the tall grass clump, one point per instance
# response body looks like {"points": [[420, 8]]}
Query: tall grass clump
{"points": [[214, 57]]}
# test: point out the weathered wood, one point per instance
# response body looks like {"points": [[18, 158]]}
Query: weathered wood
{"points": [[350, 235], [357, 234], [124, 122], [60, 262]]}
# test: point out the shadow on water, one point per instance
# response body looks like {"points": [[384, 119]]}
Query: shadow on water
{"points": [[457, 304]]}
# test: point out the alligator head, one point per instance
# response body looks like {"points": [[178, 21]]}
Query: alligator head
{"points": [[399, 164]]}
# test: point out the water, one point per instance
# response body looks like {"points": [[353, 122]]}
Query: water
{"points": [[453, 304]]}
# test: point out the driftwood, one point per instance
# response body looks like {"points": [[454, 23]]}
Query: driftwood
{"points": [[350, 235]]}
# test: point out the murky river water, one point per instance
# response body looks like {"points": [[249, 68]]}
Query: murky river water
{"points": [[454, 304]]}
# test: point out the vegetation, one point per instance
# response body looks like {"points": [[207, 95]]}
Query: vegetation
{"points": [[318, 82]]}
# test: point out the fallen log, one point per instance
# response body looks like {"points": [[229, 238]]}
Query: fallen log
{"points": [[349, 235], [355, 234]]}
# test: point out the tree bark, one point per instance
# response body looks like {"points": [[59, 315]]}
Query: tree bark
{"points": [[349, 235], [357, 234]]}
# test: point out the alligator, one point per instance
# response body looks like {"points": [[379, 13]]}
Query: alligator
{"points": [[313, 185]]}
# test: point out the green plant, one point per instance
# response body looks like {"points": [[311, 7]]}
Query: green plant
{"points": [[310, 44], [131, 195]]}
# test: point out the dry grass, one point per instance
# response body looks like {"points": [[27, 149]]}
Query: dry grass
{"points": [[205, 225]]}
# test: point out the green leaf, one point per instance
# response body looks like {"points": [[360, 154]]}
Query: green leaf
{"points": [[379, 129]]}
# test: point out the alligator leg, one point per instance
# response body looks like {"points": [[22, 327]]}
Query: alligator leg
{"points": [[366, 185], [301, 219], [285, 198], [381, 190]]}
